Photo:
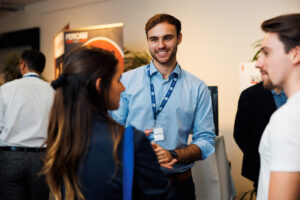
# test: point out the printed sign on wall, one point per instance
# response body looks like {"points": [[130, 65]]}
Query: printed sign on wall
{"points": [[108, 37], [249, 75]]}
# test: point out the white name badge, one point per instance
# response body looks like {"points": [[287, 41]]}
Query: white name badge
{"points": [[158, 134]]}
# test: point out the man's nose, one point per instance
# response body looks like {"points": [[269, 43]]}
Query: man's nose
{"points": [[161, 44], [259, 63]]}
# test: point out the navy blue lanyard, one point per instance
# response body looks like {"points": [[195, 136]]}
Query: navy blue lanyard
{"points": [[165, 100], [31, 75]]}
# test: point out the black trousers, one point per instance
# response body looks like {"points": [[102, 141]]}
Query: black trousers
{"points": [[184, 190], [19, 176]]}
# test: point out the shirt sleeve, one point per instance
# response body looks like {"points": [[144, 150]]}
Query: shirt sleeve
{"points": [[284, 143], [120, 115], [203, 125], [243, 124], [2, 111]]}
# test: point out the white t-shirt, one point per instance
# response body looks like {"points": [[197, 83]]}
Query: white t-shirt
{"points": [[24, 111], [280, 144]]}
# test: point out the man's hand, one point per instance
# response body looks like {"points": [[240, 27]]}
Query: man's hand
{"points": [[164, 157]]}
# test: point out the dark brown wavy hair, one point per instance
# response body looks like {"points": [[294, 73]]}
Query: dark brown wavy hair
{"points": [[287, 27], [70, 120]]}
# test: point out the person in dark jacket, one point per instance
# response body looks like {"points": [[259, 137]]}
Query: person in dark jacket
{"points": [[84, 147], [255, 107]]}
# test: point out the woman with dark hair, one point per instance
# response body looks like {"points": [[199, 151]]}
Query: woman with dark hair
{"points": [[84, 148]]}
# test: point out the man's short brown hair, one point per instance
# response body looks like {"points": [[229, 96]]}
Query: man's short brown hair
{"points": [[160, 18], [287, 27], [34, 59]]}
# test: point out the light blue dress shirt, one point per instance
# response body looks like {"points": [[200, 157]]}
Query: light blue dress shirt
{"points": [[279, 98], [188, 110]]}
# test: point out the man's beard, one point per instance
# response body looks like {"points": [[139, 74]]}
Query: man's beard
{"points": [[172, 56], [268, 84]]}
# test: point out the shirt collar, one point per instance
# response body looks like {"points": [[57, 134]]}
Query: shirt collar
{"points": [[30, 73], [153, 70], [278, 94]]}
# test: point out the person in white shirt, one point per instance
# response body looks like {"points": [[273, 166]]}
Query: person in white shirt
{"points": [[279, 149], [24, 113]]}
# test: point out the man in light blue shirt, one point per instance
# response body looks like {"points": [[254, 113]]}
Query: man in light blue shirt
{"points": [[168, 103]]}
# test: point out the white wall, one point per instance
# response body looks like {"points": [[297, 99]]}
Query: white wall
{"points": [[217, 36]]}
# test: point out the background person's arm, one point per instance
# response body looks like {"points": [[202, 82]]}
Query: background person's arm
{"points": [[284, 185], [2, 111], [244, 123]]}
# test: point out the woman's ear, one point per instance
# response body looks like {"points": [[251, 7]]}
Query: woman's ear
{"points": [[98, 84]]}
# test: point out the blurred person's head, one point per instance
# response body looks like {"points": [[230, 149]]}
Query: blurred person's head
{"points": [[32, 61], [90, 82], [91, 75]]}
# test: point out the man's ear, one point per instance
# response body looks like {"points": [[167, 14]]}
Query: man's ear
{"points": [[179, 38], [98, 81], [22, 66], [296, 55]]}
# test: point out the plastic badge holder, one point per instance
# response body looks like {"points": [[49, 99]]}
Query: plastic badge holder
{"points": [[149, 134]]}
